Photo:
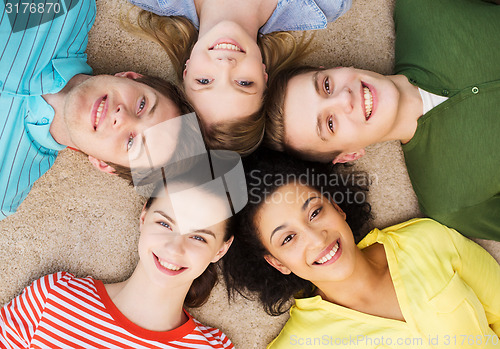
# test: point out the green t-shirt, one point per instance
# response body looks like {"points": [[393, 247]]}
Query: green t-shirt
{"points": [[452, 48]]}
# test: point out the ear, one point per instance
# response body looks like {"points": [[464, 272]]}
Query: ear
{"points": [[277, 264], [185, 69], [264, 70], [346, 157], [129, 74], [101, 165], [222, 251], [142, 217]]}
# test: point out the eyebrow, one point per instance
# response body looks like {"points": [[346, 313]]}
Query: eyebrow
{"points": [[141, 146], [238, 88], [319, 127], [242, 90], [153, 108], [303, 208], [206, 231], [319, 121], [315, 82], [166, 216]]}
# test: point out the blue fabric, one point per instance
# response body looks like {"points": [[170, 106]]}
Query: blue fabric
{"points": [[288, 15], [38, 60]]}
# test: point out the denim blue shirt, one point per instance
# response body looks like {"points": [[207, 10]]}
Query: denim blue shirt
{"points": [[288, 15], [38, 58]]}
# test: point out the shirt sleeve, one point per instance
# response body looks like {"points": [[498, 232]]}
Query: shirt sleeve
{"points": [[481, 272], [481, 220], [19, 318]]}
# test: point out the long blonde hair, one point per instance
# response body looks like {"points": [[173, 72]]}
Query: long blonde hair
{"points": [[177, 35]]}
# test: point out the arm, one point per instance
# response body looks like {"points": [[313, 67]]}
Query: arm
{"points": [[481, 272], [479, 221], [20, 318]]}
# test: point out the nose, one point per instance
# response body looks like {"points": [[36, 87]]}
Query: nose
{"points": [[121, 117], [226, 61], [341, 101], [316, 238], [174, 244]]}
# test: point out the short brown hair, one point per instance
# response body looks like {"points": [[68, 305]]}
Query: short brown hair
{"points": [[274, 107]]}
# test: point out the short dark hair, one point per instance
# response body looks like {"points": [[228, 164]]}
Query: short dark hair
{"points": [[244, 266]]}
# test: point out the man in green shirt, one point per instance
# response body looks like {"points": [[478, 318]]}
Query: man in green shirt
{"points": [[443, 104]]}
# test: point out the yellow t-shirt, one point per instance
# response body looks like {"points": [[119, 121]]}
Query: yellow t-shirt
{"points": [[447, 286]]}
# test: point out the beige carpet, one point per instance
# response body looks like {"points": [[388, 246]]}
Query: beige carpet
{"points": [[79, 220]]}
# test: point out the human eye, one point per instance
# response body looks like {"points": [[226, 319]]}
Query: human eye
{"points": [[287, 239], [244, 83], [326, 85], [315, 213], [130, 142], [198, 238], [165, 225], [141, 105], [329, 123], [204, 81]]}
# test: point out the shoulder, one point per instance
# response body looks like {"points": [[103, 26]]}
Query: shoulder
{"points": [[423, 236], [309, 317], [62, 281], [167, 8], [43, 289], [304, 15], [212, 335]]}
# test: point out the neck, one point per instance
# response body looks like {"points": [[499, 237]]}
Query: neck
{"points": [[250, 15], [410, 109], [57, 101], [359, 288], [148, 305]]}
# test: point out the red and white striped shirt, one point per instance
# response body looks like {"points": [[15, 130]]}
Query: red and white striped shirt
{"points": [[61, 311]]}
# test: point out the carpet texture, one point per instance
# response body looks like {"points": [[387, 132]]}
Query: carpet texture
{"points": [[82, 221]]}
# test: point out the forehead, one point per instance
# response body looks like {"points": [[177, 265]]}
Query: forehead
{"points": [[195, 208], [219, 104], [158, 141], [301, 107], [287, 199]]}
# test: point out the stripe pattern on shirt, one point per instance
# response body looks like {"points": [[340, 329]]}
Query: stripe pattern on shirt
{"points": [[29, 68], [61, 311]]}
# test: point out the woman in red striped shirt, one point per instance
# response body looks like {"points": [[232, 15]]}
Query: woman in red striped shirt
{"points": [[178, 245]]}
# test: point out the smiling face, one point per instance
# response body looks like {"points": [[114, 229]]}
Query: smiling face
{"points": [[307, 235], [171, 257], [339, 111], [225, 78], [104, 114]]}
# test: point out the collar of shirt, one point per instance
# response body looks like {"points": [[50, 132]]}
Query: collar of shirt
{"points": [[40, 114]]}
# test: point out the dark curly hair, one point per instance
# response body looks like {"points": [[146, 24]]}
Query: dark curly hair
{"points": [[244, 268]]}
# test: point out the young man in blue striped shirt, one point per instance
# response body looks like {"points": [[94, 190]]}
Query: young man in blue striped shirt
{"points": [[49, 100]]}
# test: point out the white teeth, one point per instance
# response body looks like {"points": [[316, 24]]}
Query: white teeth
{"points": [[368, 102], [99, 111], [226, 47], [329, 255], [169, 266]]}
